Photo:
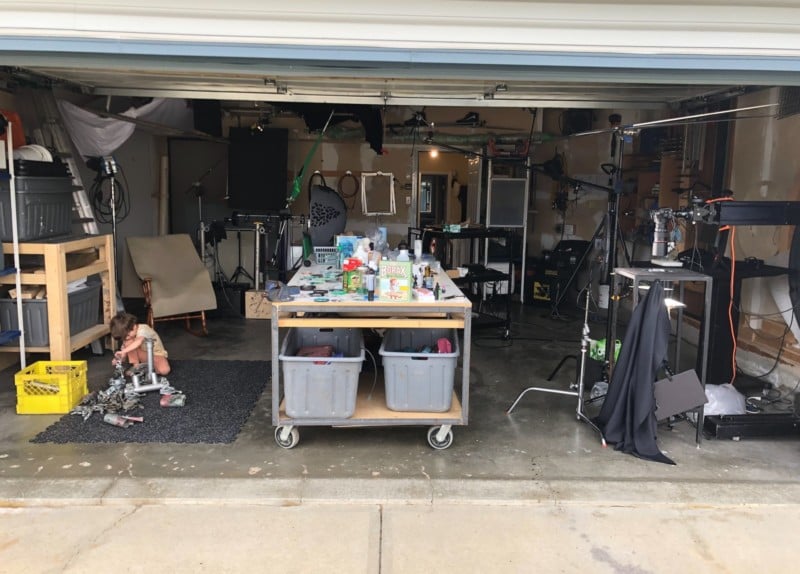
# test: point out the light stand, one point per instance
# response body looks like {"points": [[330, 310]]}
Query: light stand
{"points": [[577, 388], [109, 167], [259, 231], [203, 228], [609, 222], [610, 263], [554, 170], [240, 271]]}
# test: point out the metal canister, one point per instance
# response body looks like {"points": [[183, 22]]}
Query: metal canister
{"points": [[117, 420], [369, 283], [173, 400]]}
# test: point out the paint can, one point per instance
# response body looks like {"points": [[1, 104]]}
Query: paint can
{"points": [[117, 420], [173, 400]]}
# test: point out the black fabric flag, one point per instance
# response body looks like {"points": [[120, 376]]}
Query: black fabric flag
{"points": [[627, 418]]}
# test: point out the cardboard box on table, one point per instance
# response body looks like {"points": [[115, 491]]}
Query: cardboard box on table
{"points": [[395, 281]]}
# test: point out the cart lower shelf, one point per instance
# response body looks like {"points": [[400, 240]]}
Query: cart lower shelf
{"points": [[371, 411]]}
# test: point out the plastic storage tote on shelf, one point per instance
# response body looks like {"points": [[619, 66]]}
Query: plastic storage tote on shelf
{"points": [[321, 387], [84, 312], [44, 207], [50, 387], [418, 381]]}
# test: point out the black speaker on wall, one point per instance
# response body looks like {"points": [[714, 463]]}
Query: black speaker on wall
{"points": [[257, 169]]}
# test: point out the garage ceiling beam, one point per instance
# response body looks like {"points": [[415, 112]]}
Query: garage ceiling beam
{"points": [[451, 101]]}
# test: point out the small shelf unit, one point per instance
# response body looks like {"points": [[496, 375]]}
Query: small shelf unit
{"points": [[87, 255]]}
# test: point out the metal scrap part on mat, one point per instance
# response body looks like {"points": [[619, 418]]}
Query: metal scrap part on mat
{"points": [[123, 395]]}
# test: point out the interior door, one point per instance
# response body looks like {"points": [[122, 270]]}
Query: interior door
{"points": [[432, 198]]}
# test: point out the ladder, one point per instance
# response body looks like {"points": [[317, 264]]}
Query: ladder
{"points": [[53, 135]]}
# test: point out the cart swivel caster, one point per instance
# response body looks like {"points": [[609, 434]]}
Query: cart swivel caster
{"points": [[287, 436], [440, 437]]}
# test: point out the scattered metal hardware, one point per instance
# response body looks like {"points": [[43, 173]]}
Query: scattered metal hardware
{"points": [[84, 411], [121, 420], [124, 393], [117, 420], [134, 419], [173, 400]]}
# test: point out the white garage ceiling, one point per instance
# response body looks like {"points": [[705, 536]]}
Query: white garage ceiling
{"points": [[239, 81]]}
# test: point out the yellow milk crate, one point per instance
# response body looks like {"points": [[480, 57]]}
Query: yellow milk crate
{"points": [[50, 387]]}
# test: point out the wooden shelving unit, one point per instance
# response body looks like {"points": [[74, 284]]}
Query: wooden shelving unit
{"points": [[61, 263]]}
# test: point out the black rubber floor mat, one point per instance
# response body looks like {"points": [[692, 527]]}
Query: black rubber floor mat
{"points": [[220, 395]]}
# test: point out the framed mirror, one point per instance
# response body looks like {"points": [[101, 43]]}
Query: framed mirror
{"points": [[377, 194]]}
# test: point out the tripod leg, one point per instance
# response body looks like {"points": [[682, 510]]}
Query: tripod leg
{"points": [[561, 364], [579, 264], [240, 271]]}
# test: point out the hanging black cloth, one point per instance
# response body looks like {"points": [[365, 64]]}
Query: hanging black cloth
{"points": [[316, 116], [627, 418]]}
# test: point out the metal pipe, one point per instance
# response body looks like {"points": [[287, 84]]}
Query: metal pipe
{"points": [[150, 370], [12, 192], [147, 388], [443, 137], [257, 254]]}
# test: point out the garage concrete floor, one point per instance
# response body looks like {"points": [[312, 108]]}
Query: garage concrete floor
{"points": [[539, 455], [540, 440]]}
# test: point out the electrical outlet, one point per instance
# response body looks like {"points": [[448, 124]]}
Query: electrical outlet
{"points": [[408, 200]]}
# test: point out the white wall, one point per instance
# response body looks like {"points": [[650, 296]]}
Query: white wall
{"points": [[765, 167]]}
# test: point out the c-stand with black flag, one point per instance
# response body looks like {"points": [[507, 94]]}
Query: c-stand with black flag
{"points": [[608, 229]]}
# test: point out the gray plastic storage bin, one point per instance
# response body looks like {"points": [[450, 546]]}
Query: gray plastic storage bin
{"points": [[418, 381], [321, 387], [84, 311], [44, 208]]}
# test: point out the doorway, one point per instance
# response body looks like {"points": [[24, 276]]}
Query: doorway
{"points": [[442, 193], [432, 198]]}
